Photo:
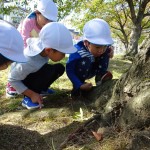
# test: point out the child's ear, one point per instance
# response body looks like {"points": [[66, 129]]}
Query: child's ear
{"points": [[86, 43], [47, 50], [37, 12]]}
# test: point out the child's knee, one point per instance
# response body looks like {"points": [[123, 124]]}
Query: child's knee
{"points": [[60, 69]]}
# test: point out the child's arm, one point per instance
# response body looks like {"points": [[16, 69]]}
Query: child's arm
{"points": [[70, 70], [18, 72], [22, 89], [86, 86], [27, 30], [77, 83]]}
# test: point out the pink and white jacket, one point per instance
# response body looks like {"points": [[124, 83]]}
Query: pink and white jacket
{"points": [[28, 27]]}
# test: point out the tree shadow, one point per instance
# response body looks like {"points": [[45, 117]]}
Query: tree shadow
{"points": [[19, 138]]}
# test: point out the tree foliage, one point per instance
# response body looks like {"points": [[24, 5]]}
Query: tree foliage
{"points": [[122, 15], [64, 6]]}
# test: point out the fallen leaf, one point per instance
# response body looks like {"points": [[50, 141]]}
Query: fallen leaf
{"points": [[98, 136]]}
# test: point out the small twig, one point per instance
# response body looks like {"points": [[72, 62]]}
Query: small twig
{"points": [[53, 147], [146, 137]]}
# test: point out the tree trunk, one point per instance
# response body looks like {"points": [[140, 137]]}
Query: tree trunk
{"points": [[124, 105], [134, 89], [133, 43], [129, 102]]}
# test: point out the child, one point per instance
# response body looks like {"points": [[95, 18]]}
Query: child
{"points": [[36, 75], [11, 45], [92, 57], [46, 12]]}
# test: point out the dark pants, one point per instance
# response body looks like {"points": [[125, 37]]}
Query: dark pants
{"points": [[43, 78]]}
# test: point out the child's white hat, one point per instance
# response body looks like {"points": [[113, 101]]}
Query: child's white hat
{"points": [[97, 31], [48, 9], [53, 35], [11, 43]]}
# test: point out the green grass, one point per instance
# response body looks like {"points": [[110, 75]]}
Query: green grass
{"points": [[117, 66]]}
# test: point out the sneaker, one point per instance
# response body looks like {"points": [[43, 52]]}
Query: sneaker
{"points": [[29, 104], [100, 80], [48, 92], [10, 91]]}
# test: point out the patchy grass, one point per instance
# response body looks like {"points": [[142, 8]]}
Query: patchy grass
{"points": [[47, 128]]}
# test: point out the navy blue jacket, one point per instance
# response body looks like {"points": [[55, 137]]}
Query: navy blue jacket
{"points": [[82, 65]]}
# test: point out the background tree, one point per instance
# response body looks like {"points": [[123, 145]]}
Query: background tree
{"points": [[139, 10], [127, 18]]}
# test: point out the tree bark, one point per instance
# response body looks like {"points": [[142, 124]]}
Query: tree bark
{"points": [[129, 101], [133, 43]]}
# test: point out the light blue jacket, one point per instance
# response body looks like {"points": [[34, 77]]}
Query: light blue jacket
{"points": [[19, 71]]}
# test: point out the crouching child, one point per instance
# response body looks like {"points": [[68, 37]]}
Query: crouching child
{"points": [[91, 58], [35, 76]]}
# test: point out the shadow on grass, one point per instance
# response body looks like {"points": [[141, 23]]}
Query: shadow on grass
{"points": [[58, 105], [61, 98], [19, 138], [16, 137]]}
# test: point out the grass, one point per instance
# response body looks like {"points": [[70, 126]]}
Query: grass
{"points": [[59, 117], [117, 66]]}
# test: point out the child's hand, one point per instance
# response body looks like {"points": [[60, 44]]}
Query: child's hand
{"points": [[37, 98], [111, 53], [86, 86]]}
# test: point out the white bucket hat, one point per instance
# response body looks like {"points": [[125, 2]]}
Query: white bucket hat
{"points": [[53, 35], [97, 31], [48, 9], [11, 42]]}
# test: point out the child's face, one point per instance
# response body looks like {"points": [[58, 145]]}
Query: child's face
{"points": [[41, 20], [53, 54], [96, 50], [56, 56]]}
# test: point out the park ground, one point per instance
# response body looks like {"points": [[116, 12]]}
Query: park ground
{"points": [[47, 128]]}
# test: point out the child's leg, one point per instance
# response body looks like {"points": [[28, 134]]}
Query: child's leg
{"points": [[42, 79]]}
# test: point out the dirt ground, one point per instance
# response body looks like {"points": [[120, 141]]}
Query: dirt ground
{"points": [[46, 129], [49, 127]]}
